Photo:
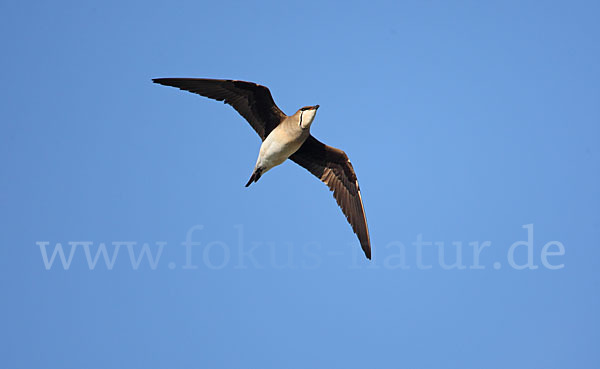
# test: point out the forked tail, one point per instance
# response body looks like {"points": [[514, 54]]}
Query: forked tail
{"points": [[255, 176]]}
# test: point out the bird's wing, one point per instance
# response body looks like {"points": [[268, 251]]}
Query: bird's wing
{"points": [[254, 102], [332, 166]]}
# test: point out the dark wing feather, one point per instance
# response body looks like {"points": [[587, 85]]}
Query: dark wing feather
{"points": [[254, 102], [332, 166]]}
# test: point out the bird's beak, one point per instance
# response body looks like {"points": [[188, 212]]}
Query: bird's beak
{"points": [[316, 107]]}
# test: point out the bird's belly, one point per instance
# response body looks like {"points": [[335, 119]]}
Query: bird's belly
{"points": [[274, 152]]}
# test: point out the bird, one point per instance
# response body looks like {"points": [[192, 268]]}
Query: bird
{"points": [[287, 137]]}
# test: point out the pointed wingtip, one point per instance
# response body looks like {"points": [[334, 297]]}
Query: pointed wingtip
{"points": [[164, 81], [366, 247]]}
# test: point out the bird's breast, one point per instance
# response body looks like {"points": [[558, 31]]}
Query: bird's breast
{"points": [[280, 145]]}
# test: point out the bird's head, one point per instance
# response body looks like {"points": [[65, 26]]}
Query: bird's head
{"points": [[306, 115]]}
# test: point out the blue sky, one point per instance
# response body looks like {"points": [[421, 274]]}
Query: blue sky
{"points": [[469, 124]]}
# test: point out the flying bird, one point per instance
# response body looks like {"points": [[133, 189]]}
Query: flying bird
{"points": [[286, 137]]}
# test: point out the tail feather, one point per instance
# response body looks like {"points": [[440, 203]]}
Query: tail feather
{"points": [[255, 176]]}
